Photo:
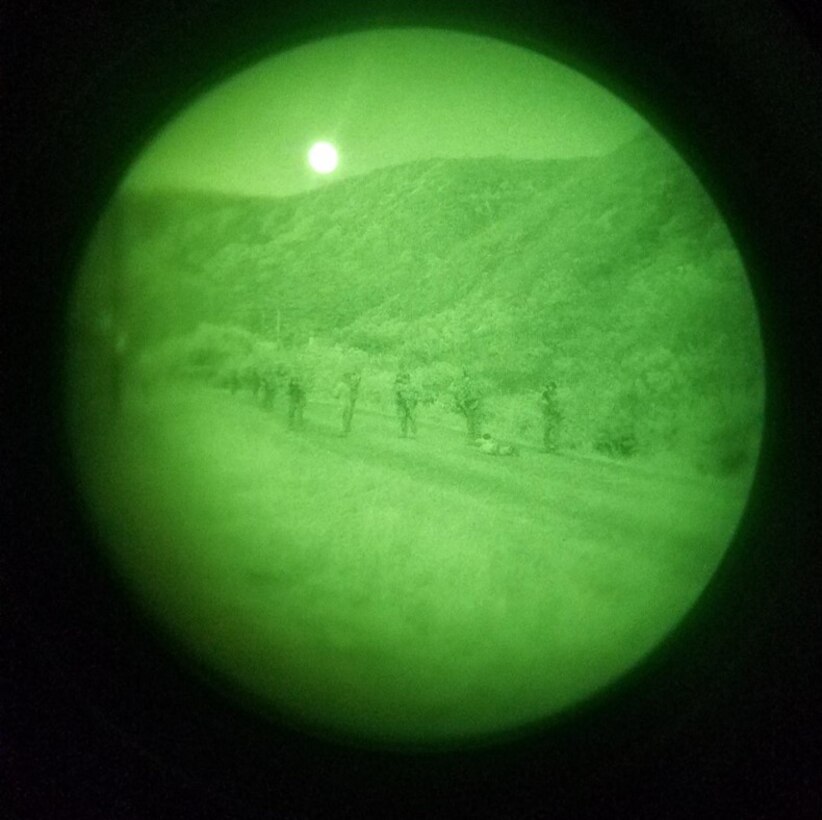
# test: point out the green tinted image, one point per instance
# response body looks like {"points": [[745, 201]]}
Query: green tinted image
{"points": [[415, 386]]}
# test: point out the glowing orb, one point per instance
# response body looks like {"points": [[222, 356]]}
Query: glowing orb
{"points": [[323, 157]]}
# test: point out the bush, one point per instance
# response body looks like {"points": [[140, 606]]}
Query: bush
{"points": [[616, 433], [616, 442], [515, 417]]}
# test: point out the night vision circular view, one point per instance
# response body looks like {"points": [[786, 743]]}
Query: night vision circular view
{"points": [[415, 385]]}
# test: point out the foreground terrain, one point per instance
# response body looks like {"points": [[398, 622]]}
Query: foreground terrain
{"points": [[410, 590]]}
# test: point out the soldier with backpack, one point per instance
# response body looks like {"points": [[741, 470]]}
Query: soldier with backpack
{"points": [[551, 416], [468, 402], [406, 398], [346, 392], [296, 401]]}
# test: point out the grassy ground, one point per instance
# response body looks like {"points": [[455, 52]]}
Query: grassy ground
{"points": [[394, 588]]}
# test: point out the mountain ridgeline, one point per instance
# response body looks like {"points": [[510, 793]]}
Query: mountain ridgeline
{"points": [[613, 275]]}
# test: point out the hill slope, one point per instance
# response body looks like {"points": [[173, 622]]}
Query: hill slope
{"points": [[622, 244], [614, 275]]}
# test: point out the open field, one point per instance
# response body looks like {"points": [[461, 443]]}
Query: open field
{"points": [[393, 588]]}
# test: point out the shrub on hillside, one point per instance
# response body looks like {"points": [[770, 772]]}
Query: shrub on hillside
{"points": [[515, 417], [616, 441], [616, 433]]}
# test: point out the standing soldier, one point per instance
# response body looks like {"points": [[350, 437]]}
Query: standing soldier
{"points": [[233, 381], [268, 389], [346, 392], [406, 397], [296, 401], [250, 379], [354, 384], [551, 416], [468, 402]]}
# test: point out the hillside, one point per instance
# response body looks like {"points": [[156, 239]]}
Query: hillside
{"points": [[504, 244], [361, 243], [613, 275]]}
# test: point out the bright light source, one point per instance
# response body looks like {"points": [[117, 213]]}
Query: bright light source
{"points": [[323, 157]]}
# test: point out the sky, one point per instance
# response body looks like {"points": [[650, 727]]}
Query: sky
{"points": [[382, 97]]}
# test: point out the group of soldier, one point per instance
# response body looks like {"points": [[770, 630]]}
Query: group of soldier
{"points": [[263, 387], [466, 395], [264, 383]]}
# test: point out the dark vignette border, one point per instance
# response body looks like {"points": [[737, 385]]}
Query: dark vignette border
{"points": [[99, 720]]}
